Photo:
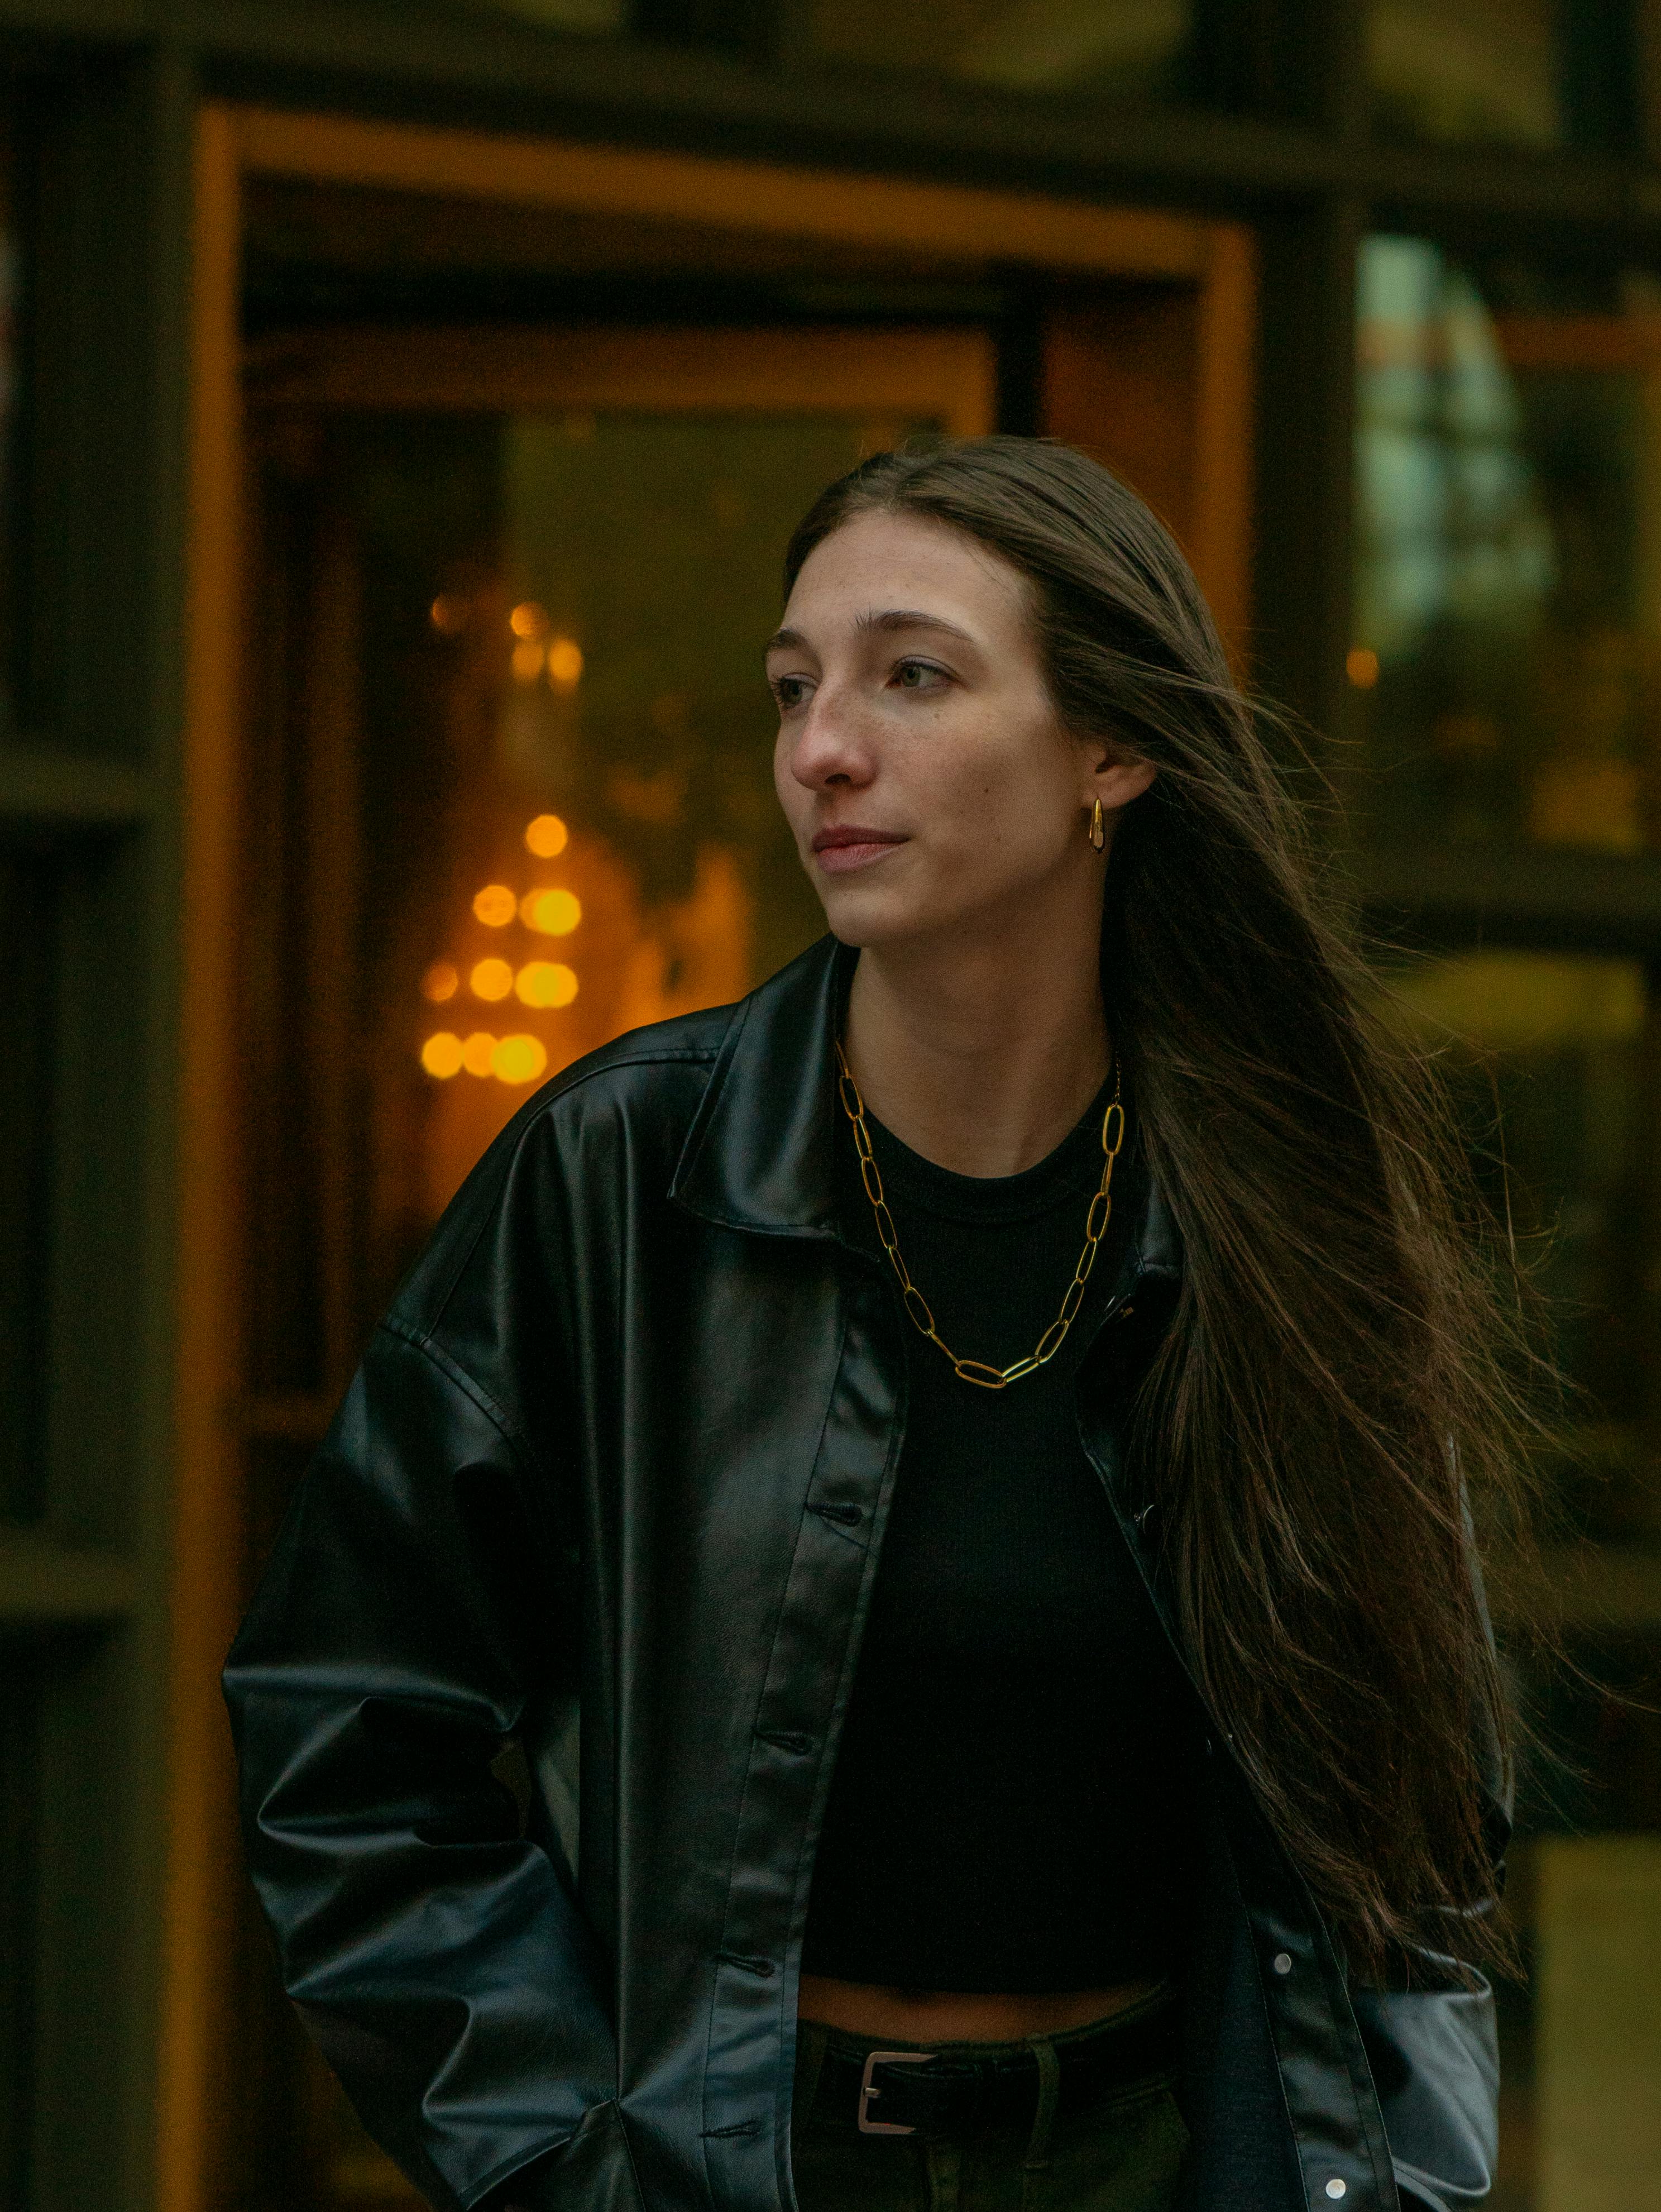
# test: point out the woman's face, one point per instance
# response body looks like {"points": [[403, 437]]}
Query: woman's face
{"points": [[920, 763]]}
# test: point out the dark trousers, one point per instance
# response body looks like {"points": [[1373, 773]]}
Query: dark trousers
{"points": [[1122, 2155]]}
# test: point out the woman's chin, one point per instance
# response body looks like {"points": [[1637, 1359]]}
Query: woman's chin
{"points": [[867, 919]]}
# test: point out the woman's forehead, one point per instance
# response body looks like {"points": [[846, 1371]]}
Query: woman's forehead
{"points": [[879, 567]]}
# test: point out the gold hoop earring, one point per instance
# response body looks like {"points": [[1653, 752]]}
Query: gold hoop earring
{"points": [[1095, 833]]}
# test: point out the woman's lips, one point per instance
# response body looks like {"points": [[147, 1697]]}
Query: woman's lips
{"points": [[840, 851]]}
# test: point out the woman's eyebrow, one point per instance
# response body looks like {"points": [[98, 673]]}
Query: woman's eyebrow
{"points": [[912, 618], [890, 618]]}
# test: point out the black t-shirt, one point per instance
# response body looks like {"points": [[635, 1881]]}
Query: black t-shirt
{"points": [[1009, 1811]]}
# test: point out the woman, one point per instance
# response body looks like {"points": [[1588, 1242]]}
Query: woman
{"points": [[947, 1470]]}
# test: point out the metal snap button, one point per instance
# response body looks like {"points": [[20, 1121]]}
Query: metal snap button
{"points": [[1282, 1962], [1336, 2188]]}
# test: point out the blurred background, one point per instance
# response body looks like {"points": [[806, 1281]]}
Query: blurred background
{"points": [[402, 407]]}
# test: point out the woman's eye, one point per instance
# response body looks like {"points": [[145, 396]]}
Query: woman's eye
{"points": [[918, 676], [789, 691]]}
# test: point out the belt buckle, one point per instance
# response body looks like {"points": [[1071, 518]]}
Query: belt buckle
{"points": [[868, 2088]]}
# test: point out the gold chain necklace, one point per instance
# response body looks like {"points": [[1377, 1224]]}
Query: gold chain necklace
{"points": [[978, 1371]]}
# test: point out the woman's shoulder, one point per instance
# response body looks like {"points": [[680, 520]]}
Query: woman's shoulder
{"points": [[614, 1120], [641, 1093], [648, 1084], [645, 1072], [584, 1171]]}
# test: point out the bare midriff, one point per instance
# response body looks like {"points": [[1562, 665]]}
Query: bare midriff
{"points": [[954, 2016]]}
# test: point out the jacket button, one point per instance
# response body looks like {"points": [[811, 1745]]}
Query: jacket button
{"points": [[1283, 1965], [1336, 2188]]}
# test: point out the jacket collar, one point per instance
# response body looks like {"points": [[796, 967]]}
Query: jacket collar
{"points": [[761, 1152]]}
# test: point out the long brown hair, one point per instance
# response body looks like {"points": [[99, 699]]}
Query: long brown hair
{"points": [[1341, 1363]]}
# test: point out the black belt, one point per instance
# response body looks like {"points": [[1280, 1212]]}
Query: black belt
{"points": [[923, 2092]]}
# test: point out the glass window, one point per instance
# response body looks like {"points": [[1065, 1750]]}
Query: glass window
{"points": [[1113, 50], [569, 822], [1547, 1053], [512, 761], [1476, 68], [1535, 73], [1507, 599]]}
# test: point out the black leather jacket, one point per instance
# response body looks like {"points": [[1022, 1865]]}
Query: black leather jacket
{"points": [[623, 1449]]}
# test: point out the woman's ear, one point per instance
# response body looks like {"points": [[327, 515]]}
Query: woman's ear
{"points": [[1116, 781]]}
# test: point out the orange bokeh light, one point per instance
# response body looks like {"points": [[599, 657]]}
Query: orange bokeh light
{"points": [[1361, 667], [551, 913], [529, 619], [565, 664], [495, 906], [440, 982], [519, 1060], [547, 837], [477, 1052], [546, 983], [442, 1055], [490, 979]]}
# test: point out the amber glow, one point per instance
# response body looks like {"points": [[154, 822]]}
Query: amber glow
{"points": [[529, 619], [448, 614], [495, 906], [633, 963], [442, 1055], [1361, 667], [546, 983], [440, 982], [547, 837], [527, 661], [565, 664], [519, 1060], [551, 913], [491, 978]]}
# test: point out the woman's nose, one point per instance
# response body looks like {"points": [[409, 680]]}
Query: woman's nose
{"points": [[830, 747]]}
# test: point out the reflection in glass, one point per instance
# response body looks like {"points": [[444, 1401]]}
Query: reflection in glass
{"points": [[1526, 73], [1507, 648], [1553, 1059], [1467, 68], [1113, 50], [537, 744], [601, 845], [1547, 1054]]}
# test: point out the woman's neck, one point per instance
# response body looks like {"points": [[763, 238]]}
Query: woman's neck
{"points": [[981, 1059]]}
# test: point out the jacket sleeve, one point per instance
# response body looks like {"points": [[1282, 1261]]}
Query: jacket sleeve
{"points": [[410, 1621]]}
